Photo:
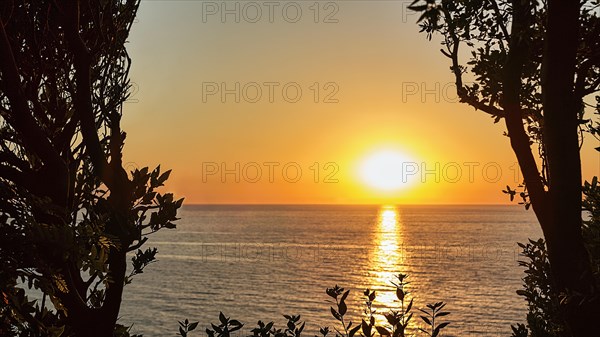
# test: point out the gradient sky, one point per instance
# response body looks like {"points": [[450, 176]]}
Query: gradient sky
{"points": [[390, 89]]}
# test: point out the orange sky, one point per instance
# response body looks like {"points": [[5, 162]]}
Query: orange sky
{"points": [[379, 86]]}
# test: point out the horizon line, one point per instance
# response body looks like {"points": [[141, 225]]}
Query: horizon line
{"points": [[350, 204]]}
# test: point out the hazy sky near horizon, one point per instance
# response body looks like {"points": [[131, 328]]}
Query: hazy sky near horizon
{"points": [[258, 92]]}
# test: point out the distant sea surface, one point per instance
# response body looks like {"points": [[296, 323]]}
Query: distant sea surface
{"points": [[260, 262]]}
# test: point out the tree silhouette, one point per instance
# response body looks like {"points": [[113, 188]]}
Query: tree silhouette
{"points": [[69, 211], [534, 65]]}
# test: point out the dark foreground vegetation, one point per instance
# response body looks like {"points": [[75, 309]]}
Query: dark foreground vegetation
{"points": [[399, 320], [70, 212]]}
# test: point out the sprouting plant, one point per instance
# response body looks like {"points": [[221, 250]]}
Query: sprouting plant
{"points": [[225, 328], [293, 330], [434, 312], [367, 325], [186, 326], [324, 331], [262, 329], [370, 297], [398, 318], [342, 308]]}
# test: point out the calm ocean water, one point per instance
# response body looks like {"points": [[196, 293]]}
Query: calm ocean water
{"points": [[259, 262]]}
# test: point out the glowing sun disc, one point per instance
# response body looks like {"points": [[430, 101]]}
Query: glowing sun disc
{"points": [[385, 170]]}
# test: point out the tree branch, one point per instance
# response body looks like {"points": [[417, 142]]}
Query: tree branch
{"points": [[461, 91], [580, 89], [83, 100], [20, 117], [519, 140], [501, 24]]}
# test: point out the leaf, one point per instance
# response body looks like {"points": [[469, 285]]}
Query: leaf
{"points": [[343, 308], [192, 326], [391, 319], [366, 329], [409, 306], [436, 331], [345, 295], [424, 318], [353, 331], [222, 318], [443, 325], [60, 283], [400, 294], [299, 330], [382, 331], [163, 177], [418, 8], [335, 314]]}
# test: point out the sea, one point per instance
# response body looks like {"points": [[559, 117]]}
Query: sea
{"points": [[260, 262]]}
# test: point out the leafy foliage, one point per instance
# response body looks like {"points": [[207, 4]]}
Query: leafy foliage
{"points": [[483, 29], [69, 210], [185, 327], [591, 226], [225, 327], [543, 300], [434, 312], [535, 65], [398, 319]]}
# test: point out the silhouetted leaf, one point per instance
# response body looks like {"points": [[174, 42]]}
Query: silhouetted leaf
{"points": [[344, 296], [400, 294], [353, 331], [335, 314], [383, 331], [343, 308]]}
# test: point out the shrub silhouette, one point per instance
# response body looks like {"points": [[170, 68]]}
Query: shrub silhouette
{"points": [[398, 319], [539, 289]]}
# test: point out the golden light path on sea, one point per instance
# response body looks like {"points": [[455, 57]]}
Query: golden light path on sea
{"points": [[387, 261]]}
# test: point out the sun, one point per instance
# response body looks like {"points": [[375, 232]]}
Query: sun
{"points": [[387, 170]]}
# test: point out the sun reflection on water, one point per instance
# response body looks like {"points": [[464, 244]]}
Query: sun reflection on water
{"points": [[387, 260]]}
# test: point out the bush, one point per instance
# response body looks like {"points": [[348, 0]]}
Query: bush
{"points": [[398, 319], [543, 316]]}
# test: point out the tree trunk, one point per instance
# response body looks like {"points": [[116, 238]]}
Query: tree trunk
{"points": [[100, 322], [559, 209], [568, 257]]}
